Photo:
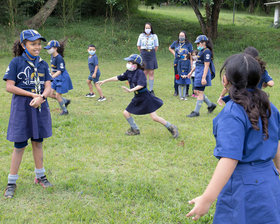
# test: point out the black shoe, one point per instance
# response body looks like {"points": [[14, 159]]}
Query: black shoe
{"points": [[175, 94], [43, 181], [10, 190], [152, 92], [211, 108], [132, 131], [193, 114], [67, 102], [173, 130], [64, 113]]}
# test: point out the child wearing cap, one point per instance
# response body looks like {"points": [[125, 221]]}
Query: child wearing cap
{"points": [[62, 82], [202, 74], [143, 102], [94, 73], [29, 79], [184, 67]]}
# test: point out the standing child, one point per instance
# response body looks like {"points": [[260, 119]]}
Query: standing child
{"points": [[29, 79], [94, 74], [194, 59], [62, 82], [202, 74], [143, 102], [247, 132], [184, 67]]}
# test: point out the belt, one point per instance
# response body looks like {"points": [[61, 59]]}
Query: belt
{"points": [[149, 50], [141, 90]]}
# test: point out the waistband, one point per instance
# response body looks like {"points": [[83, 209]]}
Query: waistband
{"points": [[148, 50], [252, 167], [141, 90]]}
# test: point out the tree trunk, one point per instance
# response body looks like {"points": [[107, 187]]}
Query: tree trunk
{"points": [[251, 6], [199, 16], [215, 18], [40, 18]]}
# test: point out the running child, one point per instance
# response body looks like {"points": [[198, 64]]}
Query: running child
{"points": [[29, 80], [247, 132], [143, 102], [62, 82], [94, 74]]}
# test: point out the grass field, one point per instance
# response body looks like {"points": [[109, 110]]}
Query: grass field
{"points": [[99, 174]]}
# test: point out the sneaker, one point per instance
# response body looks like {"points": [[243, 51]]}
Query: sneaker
{"points": [[182, 98], [64, 113], [43, 181], [193, 114], [100, 99], [152, 92], [185, 98], [10, 190], [175, 94], [132, 131], [211, 108], [67, 102], [174, 131], [90, 95]]}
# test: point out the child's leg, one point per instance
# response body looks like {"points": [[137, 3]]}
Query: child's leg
{"points": [[180, 91], [187, 90], [192, 85], [151, 80], [90, 86], [184, 91], [61, 102], [130, 120], [211, 106], [98, 88], [52, 95], [199, 101]]}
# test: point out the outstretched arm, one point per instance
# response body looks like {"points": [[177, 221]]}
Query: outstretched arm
{"points": [[115, 78], [223, 172]]}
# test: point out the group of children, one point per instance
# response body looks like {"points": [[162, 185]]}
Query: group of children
{"points": [[246, 181]]}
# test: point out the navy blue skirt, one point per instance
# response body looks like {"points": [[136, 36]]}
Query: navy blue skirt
{"points": [[252, 195], [144, 103], [28, 122], [62, 83], [149, 59]]}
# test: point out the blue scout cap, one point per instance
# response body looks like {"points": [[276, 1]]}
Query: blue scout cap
{"points": [[201, 38], [30, 35], [52, 43], [135, 58]]}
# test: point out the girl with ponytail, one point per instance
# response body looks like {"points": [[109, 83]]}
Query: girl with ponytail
{"points": [[247, 131]]}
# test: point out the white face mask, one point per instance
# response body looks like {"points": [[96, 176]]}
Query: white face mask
{"points": [[131, 67], [50, 51], [91, 52], [147, 31]]}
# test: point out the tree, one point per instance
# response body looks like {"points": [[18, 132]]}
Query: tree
{"points": [[40, 18], [209, 23]]}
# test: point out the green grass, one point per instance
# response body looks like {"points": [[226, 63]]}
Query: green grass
{"points": [[101, 175]]}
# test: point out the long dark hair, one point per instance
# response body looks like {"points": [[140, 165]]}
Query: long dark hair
{"points": [[210, 46], [60, 49], [152, 31], [186, 39], [17, 48], [243, 73], [255, 54]]}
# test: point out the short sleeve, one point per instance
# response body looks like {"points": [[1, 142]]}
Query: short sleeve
{"points": [[141, 78], [139, 41], [60, 64], [207, 55], [173, 45], [230, 135], [11, 73], [156, 43], [122, 77], [266, 77]]}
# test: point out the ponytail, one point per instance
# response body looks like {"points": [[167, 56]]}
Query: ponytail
{"points": [[17, 48]]}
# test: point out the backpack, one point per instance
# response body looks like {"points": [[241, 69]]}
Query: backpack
{"points": [[212, 68]]}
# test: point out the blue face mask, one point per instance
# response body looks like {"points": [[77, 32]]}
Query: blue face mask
{"points": [[30, 55], [91, 52], [200, 48], [182, 39]]}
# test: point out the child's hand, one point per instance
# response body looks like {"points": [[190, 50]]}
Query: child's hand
{"points": [[201, 207], [36, 102], [126, 89], [220, 101], [93, 76], [203, 82], [189, 75], [100, 83]]}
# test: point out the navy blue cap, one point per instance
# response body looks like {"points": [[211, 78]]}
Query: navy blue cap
{"points": [[135, 58], [30, 35], [52, 43], [201, 38]]}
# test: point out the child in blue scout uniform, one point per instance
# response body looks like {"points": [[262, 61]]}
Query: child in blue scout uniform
{"points": [[62, 82], [265, 81], [175, 48], [143, 102], [94, 74], [194, 59], [247, 133], [28, 78], [202, 74], [184, 67]]}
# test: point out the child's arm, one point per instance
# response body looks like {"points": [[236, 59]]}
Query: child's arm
{"points": [[190, 73], [223, 93], [11, 88], [276, 159], [205, 71], [55, 74], [115, 78], [95, 71], [37, 101], [223, 172], [133, 89]]}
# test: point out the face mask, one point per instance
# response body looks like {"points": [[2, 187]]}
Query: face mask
{"points": [[50, 51], [200, 48], [181, 39], [147, 31], [30, 55], [131, 67], [91, 52]]}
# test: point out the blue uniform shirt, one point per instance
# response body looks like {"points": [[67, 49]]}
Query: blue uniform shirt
{"points": [[184, 68], [178, 47], [57, 63], [23, 74], [236, 139], [202, 57], [265, 78], [147, 42], [92, 62], [134, 78]]}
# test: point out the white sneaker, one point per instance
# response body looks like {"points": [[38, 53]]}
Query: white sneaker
{"points": [[100, 99], [90, 95]]}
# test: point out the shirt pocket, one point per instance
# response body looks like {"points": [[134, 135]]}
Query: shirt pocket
{"points": [[252, 180]]}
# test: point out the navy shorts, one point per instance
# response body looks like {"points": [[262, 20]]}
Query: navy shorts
{"points": [[20, 145], [96, 79], [200, 88]]}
